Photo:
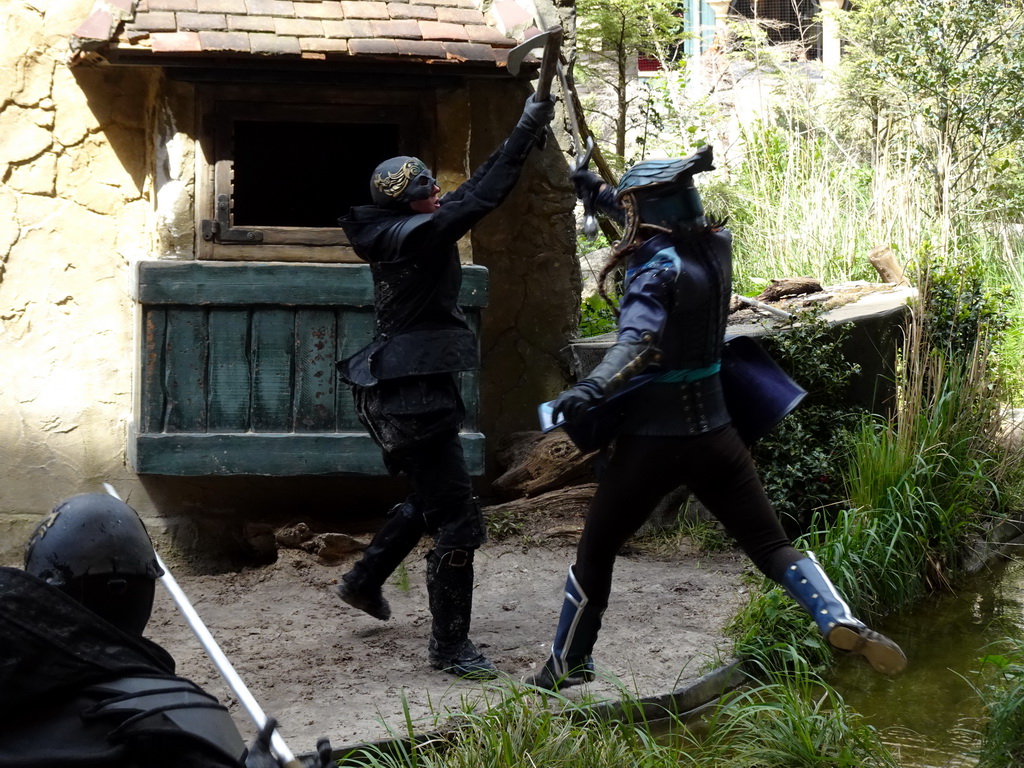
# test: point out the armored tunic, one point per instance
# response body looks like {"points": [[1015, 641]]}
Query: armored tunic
{"points": [[79, 692]]}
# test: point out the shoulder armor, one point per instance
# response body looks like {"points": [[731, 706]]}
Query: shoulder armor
{"points": [[150, 706]]}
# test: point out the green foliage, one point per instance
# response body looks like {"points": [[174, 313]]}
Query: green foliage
{"points": [[801, 461], [796, 206], [943, 80], [791, 720], [503, 525], [961, 313], [1003, 698], [596, 316]]}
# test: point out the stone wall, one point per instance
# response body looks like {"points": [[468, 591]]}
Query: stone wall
{"points": [[97, 166]]}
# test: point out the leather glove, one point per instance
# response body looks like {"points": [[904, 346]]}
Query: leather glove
{"points": [[323, 757], [587, 184], [537, 114], [574, 402], [259, 754]]}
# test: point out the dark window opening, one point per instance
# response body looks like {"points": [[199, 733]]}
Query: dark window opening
{"points": [[293, 174]]}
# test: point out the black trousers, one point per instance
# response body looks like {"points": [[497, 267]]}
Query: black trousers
{"points": [[442, 490], [715, 466]]}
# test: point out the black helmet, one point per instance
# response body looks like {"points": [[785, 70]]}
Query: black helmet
{"points": [[95, 548], [401, 180], [660, 194]]}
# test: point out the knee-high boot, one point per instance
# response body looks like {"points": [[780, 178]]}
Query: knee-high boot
{"points": [[570, 662], [450, 594], [806, 582], [361, 586]]}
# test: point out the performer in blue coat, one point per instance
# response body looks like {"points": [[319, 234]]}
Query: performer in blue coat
{"points": [[671, 326]]}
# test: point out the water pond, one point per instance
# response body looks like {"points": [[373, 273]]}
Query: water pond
{"points": [[929, 715]]}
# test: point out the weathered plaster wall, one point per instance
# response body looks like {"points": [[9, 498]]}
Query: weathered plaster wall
{"points": [[97, 165], [74, 213], [529, 247]]}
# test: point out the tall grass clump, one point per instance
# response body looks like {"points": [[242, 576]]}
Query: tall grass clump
{"points": [[1002, 743], [797, 206], [919, 485], [792, 722], [788, 720]]}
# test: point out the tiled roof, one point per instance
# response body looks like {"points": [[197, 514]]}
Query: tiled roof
{"points": [[433, 31]]}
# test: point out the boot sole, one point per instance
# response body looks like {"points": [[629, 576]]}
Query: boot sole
{"points": [[379, 609], [881, 652]]}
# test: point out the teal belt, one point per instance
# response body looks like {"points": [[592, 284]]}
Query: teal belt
{"points": [[686, 375]]}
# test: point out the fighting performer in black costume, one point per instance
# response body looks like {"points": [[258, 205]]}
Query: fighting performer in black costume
{"points": [[405, 381], [672, 320], [80, 687]]}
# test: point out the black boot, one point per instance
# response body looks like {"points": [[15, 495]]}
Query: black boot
{"points": [[361, 587], [450, 592], [570, 662], [806, 582]]}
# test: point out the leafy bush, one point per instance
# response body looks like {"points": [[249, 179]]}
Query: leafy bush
{"points": [[801, 461]]}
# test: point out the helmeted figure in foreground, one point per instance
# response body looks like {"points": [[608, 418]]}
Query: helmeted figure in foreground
{"points": [[79, 684], [405, 381], [672, 320]]}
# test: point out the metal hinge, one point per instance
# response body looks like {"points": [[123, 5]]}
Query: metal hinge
{"points": [[220, 230]]}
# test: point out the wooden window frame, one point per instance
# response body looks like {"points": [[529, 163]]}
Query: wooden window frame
{"points": [[412, 111]]}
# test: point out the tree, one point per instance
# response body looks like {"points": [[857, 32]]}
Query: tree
{"points": [[610, 33], [949, 76]]}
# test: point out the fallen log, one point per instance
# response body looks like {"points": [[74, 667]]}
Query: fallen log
{"points": [[789, 286], [539, 462]]}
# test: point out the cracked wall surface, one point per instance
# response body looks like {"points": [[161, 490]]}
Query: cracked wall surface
{"points": [[75, 216], [97, 170]]}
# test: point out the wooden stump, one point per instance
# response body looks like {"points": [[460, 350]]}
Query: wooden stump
{"points": [[538, 462]]}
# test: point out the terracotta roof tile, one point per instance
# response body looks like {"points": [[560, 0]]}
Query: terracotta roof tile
{"points": [[373, 46], [469, 52], [406, 28], [427, 49], [356, 28], [157, 21], [271, 44], [270, 7], [99, 26], [435, 30], [175, 42], [171, 5], [320, 9], [408, 11], [224, 41], [251, 23], [431, 30], [220, 6], [481, 33], [299, 27], [194, 22], [323, 44], [460, 15], [365, 9]]}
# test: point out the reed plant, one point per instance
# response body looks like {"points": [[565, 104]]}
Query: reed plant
{"points": [[1002, 740], [790, 722]]}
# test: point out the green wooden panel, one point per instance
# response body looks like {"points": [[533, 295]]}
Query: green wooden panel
{"points": [[201, 283], [185, 370], [238, 376], [338, 453], [230, 385], [315, 375], [273, 346], [151, 375], [355, 330]]}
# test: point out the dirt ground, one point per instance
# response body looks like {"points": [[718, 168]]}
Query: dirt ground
{"points": [[323, 668]]}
